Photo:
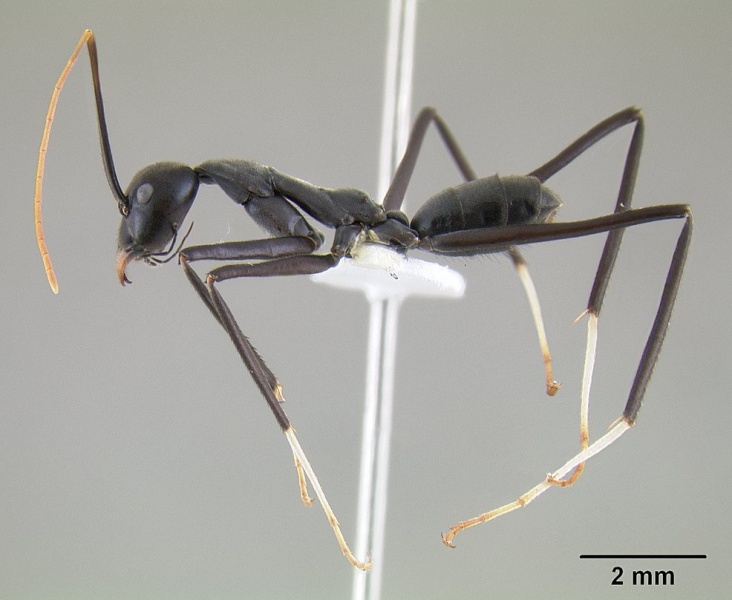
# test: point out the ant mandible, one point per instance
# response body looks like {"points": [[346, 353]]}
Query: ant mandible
{"points": [[480, 216]]}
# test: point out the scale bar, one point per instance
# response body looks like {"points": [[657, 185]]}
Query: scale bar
{"points": [[663, 556]]}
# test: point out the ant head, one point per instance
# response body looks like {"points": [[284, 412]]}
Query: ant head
{"points": [[158, 199]]}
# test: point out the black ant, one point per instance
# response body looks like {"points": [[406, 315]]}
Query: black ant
{"points": [[480, 216]]}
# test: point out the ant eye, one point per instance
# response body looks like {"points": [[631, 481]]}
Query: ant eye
{"points": [[144, 193]]}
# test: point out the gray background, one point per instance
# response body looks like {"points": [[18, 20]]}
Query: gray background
{"points": [[137, 459]]}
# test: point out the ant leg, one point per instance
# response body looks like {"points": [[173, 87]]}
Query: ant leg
{"points": [[273, 213], [398, 188], [243, 346], [267, 383], [632, 114], [610, 251], [484, 239], [552, 386], [298, 239], [259, 369], [403, 175], [614, 433]]}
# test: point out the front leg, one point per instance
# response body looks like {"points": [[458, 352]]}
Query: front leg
{"points": [[297, 239], [265, 380], [303, 240], [294, 249]]}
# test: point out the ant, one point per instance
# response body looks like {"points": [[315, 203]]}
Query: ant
{"points": [[481, 216]]}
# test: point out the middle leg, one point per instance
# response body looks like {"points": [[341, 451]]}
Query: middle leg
{"points": [[395, 197]]}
